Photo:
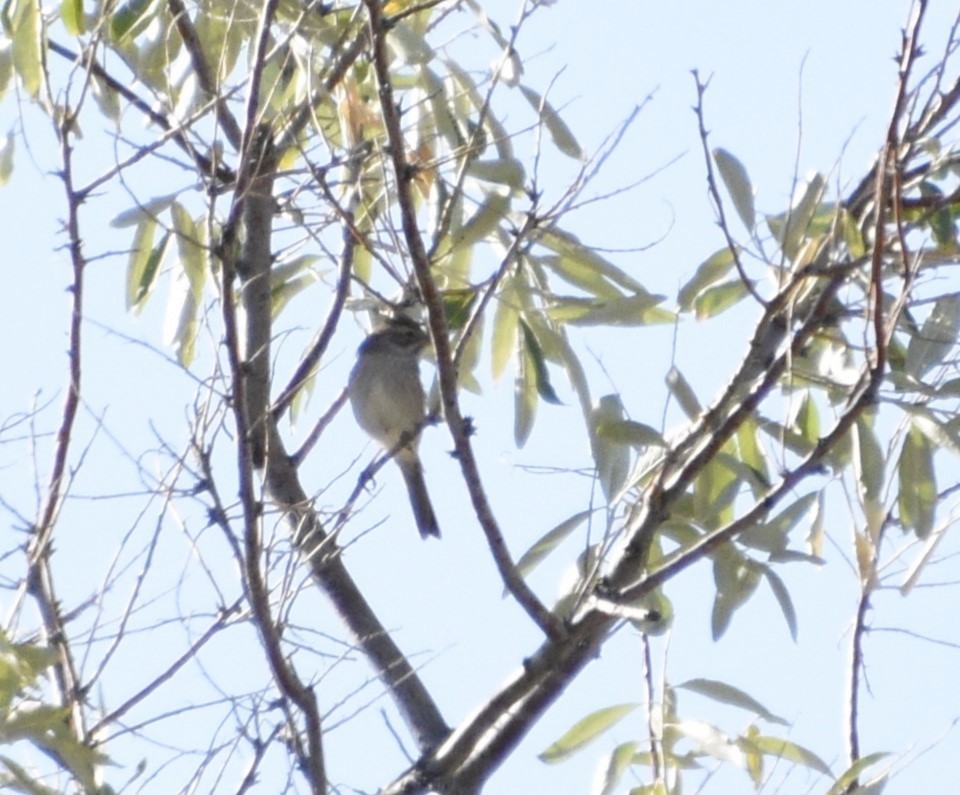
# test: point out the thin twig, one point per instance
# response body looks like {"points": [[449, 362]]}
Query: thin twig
{"points": [[515, 583]]}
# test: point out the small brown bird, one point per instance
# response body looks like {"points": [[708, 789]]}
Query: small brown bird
{"points": [[390, 405]]}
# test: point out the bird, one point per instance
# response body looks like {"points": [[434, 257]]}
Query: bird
{"points": [[389, 403]]}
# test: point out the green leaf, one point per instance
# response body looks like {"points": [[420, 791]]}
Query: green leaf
{"points": [[790, 228], [27, 54], [918, 485], [71, 13], [772, 536], [930, 347], [144, 263], [524, 396], [611, 457], [148, 210], [506, 327], [6, 67], [633, 310], [488, 217], [617, 762], [569, 245], [710, 271], [581, 273], [782, 595], [22, 781], [533, 350], [808, 420], [792, 752], [737, 182], [752, 456], [130, 19], [548, 542], [631, 432], [868, 460], [737, 579], [562, 137], [853, 772], [187, 292], [728, 694], [680, 388], [852, 235], [585, 731], [714, 300], [942, 222], [506, 172], [6, 158]]}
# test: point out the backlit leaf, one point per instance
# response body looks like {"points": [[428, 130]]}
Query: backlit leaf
{"points": [[868, 459], [634, 310], [782, 595], [584, 731], [784, 749], [506, 325], [544, 545], [569, 245], [26, 46], [562, 137], [487, 217], [611, 769], [6, 158], [737, 182], [71, 14], [711, 270], [918, 486], [680, 389], [728, 694], [524, 396], [581, 273], [144, 263], [533, 350], [854, 772], [936, 338], [714, 300], [791, 228], [612, 457]]}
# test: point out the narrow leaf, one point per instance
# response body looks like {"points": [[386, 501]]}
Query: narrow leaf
{"points": [[541, 374], [714, 300], [544, 545], [711, 270], [728, 694], [140, 251], [585, 731], [918, 486], [930, 347], [737, 182], [853, 772], [524, 396], [792, 752], [559, 131], [612, 457], [6, 158], [487, 217], [611, 769], [782, 595], [790, 228], [27, 57], [71, 13], [506, 325], [581, 273], [680, 388]]}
